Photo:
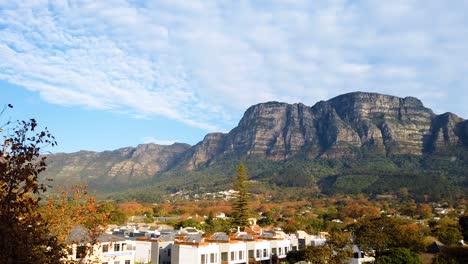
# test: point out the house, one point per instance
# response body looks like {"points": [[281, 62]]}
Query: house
{"points": [[305, 239], [154, 250], [108, 249], [232, 251], [192, 248]]}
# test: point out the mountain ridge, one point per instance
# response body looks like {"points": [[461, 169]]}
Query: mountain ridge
{"points": [[277, 131]]}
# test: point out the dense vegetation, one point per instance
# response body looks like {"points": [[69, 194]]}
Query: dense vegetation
{"points": [[436, 177]]}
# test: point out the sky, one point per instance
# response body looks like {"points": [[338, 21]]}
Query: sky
{"points": [[108, 74]]}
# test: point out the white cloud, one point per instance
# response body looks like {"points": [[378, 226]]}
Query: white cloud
{"points": [[147, 140], [203, 63]]}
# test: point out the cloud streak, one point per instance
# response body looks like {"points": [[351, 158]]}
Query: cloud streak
{"points": [[202, 62]]}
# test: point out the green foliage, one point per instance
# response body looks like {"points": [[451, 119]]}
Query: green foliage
{"points": [[382, 234], [432, 177], [440, 259], [266, 221], [448, 235], [189, 223], [452, 254], [117, 217], [218, 225], [319, 255], [295, 256], [398, 256], [353, 184], [240, 208]]}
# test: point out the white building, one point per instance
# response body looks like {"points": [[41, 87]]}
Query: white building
{"points": [[193, 249], [259, 251], [109, 249], [154, 250], [231, 251]]}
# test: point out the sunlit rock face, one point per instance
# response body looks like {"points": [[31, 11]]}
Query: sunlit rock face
{"points": [[390, 124]]}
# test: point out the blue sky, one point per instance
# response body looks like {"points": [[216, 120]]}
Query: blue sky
{"points": [[109, 74]]}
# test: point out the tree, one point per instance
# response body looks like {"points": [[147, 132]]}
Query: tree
{"points": [[25, 236], [448, 235], [241, 198], [386, 233], [70, 209], [318, 255], [399, 256], [424, 211]]}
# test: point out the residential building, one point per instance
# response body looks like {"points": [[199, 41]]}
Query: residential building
{"points": [[108, 249], [154, 250]]}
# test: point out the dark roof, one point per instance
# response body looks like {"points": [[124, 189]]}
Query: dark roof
{"points": [[245, 236], [81, 235], [170, 237], [168, 232], [220, 236], [267, 235], [196, 238], [137, 234]]}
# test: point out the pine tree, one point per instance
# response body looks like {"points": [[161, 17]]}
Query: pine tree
{"points": [[241, 198]]}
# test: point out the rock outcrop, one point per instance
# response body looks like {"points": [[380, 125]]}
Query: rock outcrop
{"points": [[330, 129]]}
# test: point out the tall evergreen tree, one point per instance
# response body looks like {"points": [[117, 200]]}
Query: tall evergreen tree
{"points": [[241, 199]]}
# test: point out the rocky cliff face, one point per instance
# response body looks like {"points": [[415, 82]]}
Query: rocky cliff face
{"points": [[118, 167], [330, 129]]}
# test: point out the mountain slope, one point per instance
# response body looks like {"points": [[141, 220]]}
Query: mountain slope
{"points": [[113, 168]]}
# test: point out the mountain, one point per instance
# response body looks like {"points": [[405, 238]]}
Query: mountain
{"points": [[113, 168], [330, 129], [358, 132]]}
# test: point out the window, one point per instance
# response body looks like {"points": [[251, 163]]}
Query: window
{"points": [[116, 247], [80, 252], [285, 250], [124, 246], [127, 261], [241, 256], [105, 248], [294, 248], [117, 262], [251, 253], [105, 263], [258, 253], [70, 250], [280, 252], [264, 252], [169, 252], [233, 255], [273, 251], [202, 259], [224, 256], [212, 258]]}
